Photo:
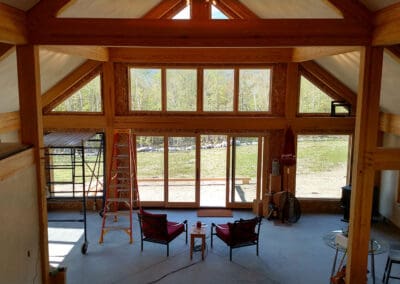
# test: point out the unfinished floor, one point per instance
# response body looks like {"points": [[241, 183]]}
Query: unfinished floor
{"points": [[288, 253]]}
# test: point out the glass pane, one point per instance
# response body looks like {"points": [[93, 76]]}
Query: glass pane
{"points": [[254, 89], [218, 89], [321, 165], [86, 99], [213, 170], [181, 169], [150, 167], [312, 99], [145, 89], [183, 14], [181, 89], [216, 14], [245, 160]]}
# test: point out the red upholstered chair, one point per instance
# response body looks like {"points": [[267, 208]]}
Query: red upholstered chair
{"points": [[238, 234], [157, 229]]}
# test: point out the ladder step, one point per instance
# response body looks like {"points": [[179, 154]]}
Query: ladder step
{"points": [[121, 156], [123, 178], [122, 145], [118, 186], [109, 228], [118, 213], [117, 199], [120, 171]]}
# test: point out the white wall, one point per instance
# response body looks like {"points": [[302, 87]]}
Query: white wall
{"points": [[19, 228], [388, 206], [9, 83]]}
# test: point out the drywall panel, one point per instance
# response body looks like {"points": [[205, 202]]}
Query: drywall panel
{"points": [[19, 238], [388, 205], [390, 97], [9, 83], [108, 8], [55, 66], [268, 9], [345, 67]]}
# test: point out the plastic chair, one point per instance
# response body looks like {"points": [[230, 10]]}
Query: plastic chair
{"points": [[393, 258], [156, 228], [238, 234]]}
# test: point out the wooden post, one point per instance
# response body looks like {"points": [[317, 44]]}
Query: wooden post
{"points": [[366, 133], [109, 112], [292, 91], [32, 133]]}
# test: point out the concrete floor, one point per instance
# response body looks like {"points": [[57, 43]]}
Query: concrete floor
{"points": [[288, 253]]}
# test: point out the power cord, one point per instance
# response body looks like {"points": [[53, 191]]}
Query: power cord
{"points": [[172, 272]]}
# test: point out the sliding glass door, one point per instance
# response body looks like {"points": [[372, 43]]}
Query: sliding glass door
{"points": [[209, 170], [181, 169], [245, 161], [213, 170]]}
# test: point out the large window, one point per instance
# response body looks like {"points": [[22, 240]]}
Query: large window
{"points": [[322, 165], [312, 98], [218, 89], [254, 89], [181, 89], [86, 99], [145, 89], [198, 89]]}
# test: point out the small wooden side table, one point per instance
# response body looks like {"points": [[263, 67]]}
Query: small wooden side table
{"points": [[201, 234]]}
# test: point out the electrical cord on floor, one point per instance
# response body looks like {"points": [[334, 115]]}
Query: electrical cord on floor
{"points": [[195, 248], [172, 272]]}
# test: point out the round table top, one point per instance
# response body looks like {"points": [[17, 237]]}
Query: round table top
{"points": [[376, 246]]}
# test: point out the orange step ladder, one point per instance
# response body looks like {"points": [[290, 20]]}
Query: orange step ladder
{"points": [[122, 194]]}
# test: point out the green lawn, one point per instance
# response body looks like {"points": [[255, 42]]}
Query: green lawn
{"points": [[317, 155], [313, 155]]}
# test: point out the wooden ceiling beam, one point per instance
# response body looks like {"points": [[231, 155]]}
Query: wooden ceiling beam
{"points": [[385, 158], [200, 10], [12, 25], [386, 26], [306, 53], [232, 33], [218, 123], [53, 96], [352, 9], [235, 9], [342, 91], [160, 55], [166, 9], [98, 53], [74, 121]]}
